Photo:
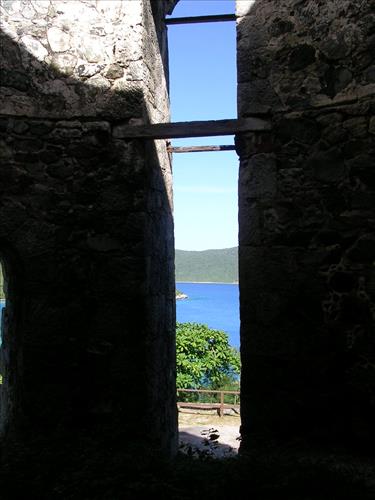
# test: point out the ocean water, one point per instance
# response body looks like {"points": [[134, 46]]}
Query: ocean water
{"points": [[213, 304]]}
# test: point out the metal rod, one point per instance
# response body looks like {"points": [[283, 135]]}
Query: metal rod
{"points": [[201, 19], [200, 149]]}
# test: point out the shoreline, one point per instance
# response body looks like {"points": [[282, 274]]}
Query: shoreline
{"points": [[211, 282]]}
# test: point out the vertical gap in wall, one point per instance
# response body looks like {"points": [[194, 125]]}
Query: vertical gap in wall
{"points": [[2, 310], [203, 84], [3, 409], [207, 278]]}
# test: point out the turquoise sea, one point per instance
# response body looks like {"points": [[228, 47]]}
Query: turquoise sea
{"points": [[213, 304]]}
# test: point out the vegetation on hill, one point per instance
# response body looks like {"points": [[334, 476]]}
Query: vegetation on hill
{"points": [[207, 265]]}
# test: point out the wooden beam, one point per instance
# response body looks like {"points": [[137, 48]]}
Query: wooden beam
{"points": [[180, 130], [200, 149], [201, 19]]}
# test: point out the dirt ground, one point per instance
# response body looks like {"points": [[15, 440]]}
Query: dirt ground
{"points": [[209, 435]]}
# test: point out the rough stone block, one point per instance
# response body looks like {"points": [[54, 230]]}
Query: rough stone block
{"points": [[306, 221], [79, 214], [258, 177]]}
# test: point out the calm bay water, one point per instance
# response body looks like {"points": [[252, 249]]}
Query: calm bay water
{"points": [[213, 304]]}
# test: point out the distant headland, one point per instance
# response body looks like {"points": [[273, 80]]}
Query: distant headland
{"points": [[207, 266]]}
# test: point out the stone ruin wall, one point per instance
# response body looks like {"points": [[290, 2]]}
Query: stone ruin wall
{"points": [[86, 229], [307, 220], [86, 219]]}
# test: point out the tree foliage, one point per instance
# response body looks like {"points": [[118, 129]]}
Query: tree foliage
{"points": [[204, 357]]}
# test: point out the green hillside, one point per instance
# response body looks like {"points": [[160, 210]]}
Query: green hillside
{"points": [[207, 265]]}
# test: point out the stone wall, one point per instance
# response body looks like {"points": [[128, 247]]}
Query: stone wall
{"points": [[307, 219], [83, 58], [86, 229]]}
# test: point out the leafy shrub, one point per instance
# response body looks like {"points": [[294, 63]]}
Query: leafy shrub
{"points": [[204, 357]]}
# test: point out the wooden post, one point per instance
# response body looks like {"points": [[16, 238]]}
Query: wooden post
{"points": [[221, 404]]}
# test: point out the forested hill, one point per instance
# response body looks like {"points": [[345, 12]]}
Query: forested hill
{"points": [[207, 265]]}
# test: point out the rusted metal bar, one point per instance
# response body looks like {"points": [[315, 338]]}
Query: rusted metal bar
{"points": [[178, 130], [200, 149], [217, 18]]}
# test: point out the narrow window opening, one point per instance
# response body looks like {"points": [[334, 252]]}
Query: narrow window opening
{"points": [[4, 396], [2, 313], [203, 87]]}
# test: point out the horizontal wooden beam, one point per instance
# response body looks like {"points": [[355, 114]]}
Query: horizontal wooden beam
{"points": [[179, 130], [200, 149], [201, 19]]}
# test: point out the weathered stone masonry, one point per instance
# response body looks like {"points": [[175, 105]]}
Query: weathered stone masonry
{"points": [[307, 220], [86, 229]]}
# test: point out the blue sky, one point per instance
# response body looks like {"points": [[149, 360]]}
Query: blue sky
{"points": [[203, 87]]}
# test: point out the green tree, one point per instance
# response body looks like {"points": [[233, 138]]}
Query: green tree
{"points": [[204, 357]]}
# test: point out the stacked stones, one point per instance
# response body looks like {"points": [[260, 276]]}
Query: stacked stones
{"points": [[307, 198], [86, 226], [81, 58]]}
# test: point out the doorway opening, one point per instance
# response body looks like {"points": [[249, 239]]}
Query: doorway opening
{"points": [[2, 311], [4, 397], [203, 84]]}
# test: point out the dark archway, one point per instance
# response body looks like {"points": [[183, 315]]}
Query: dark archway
{"points": [[11, 342]]}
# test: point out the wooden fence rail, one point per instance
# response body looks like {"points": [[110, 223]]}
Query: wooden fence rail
{"points": [[220, 406]]}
